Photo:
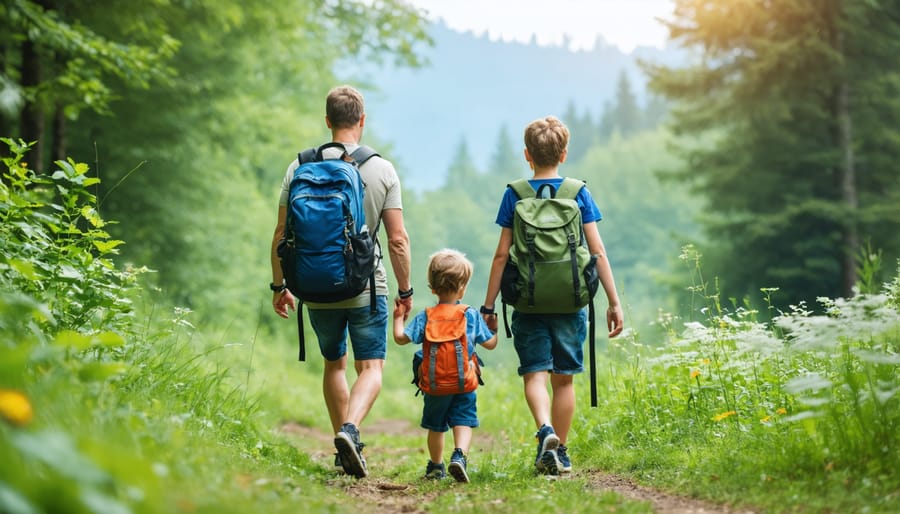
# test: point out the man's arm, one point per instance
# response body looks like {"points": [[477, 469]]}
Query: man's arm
{"points": [[284, 300], [399, 251]]}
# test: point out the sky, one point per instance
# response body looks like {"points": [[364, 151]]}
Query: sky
{"points": [[622, 23]]}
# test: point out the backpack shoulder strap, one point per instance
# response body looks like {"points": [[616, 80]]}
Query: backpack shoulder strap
{"points": [[569, 188], [522, 188], [363, 154], [308, 155]]}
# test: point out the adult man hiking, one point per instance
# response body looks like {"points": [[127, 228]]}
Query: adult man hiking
{"points": [[364, 319]]}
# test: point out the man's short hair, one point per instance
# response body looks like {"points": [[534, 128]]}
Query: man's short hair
{"points": [[344, 107], [448, 271], [546, 139]]}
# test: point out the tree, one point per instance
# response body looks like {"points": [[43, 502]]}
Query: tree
{"points": [[627, 114], [790, 101]]}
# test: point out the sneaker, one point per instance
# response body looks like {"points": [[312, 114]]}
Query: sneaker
{"points": [[338, 464], [546, 460], [565, 465], [350, 450], [434, 471], [458, 466]]}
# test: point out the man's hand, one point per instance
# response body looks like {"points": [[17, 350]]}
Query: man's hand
{"points": [[282, 302], [405, 304]]}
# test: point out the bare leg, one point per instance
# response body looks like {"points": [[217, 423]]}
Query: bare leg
{"points": [[364, 391], [336, 391], [435, 446], [537, 397], [462, 438], [563, 406]]}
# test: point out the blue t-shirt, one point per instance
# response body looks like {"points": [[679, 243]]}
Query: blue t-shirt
{"points": [[477, 331], [589, 210]]}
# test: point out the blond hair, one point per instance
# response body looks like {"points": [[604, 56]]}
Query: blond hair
{"points": [[344, 106], [448, 271], [546, 139]]}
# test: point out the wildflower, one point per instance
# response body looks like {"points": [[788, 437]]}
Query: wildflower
{"points": [[720, 417], [766, 419], [23, 164], [695, 373], [15, 407], [782, 410]]}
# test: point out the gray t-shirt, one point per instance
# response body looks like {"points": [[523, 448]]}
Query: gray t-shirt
{"points": [[382, 192]]}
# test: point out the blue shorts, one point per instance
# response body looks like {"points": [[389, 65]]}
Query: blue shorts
{"points": [[550, 342], [368, 331], [452, 410]]}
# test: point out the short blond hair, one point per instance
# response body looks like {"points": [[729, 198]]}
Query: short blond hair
{"points": [[448, 271], [546, 139], [344, 107]]}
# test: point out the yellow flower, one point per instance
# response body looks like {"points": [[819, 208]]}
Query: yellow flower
{"points": [[695, 373], [720, 417], [781, 411], [766, 419], [15, 407]]}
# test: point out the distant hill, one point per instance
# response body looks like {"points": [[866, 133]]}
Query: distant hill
{"points": [[473, 86]]}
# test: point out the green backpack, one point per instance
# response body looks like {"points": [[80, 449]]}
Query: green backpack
{"points": [[550, 270]]}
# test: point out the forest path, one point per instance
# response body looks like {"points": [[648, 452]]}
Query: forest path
{"points": [[386, 496]]}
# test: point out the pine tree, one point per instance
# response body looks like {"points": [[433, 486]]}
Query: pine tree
{"points": [[795, 107]]}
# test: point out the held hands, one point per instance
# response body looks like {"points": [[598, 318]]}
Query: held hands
{"points": [[615, 320], [282, 302], [402, 307]]}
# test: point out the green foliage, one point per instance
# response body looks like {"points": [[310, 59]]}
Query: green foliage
{"points": [[56, 248], [798, 168]]}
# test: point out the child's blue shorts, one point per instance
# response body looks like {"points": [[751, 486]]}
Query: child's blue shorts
{"points": [[452, 410], [550, 342]]}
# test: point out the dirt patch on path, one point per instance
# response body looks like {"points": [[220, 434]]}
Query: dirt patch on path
{"points": [[384, 496]]}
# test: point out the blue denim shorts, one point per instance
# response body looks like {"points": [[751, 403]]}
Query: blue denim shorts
{"points": [[452, 410], [550, 342], [368, 331]]}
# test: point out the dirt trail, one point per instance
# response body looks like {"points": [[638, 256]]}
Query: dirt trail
{"points": [[390, 497]]}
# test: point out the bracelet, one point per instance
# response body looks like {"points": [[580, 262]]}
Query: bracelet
{"points": [[405, 294], [485, 310], [277, 288]]}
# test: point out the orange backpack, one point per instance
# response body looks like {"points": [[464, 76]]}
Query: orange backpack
{"points": [[447, 367]]}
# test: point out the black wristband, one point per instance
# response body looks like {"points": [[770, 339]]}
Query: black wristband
{"points": [[485, 310], [277, 288], [405, 294]]}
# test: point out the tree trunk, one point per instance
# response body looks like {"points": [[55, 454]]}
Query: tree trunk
{"points": [[847, 177], [32, 120], [60, 141]]}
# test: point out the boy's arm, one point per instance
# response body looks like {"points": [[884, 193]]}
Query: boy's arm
{"points": [[501, 256], [491, 343], [399, 314], [614, 316]]}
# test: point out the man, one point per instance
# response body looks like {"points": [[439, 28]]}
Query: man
{"points": [[348, 406]]}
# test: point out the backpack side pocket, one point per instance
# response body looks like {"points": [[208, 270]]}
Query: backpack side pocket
{"points": [[509, 286]]}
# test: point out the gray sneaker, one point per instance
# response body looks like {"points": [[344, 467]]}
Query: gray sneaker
{"points": [[350, 451], [434, 471], [457, 466], [546, 461], [565, 465]]}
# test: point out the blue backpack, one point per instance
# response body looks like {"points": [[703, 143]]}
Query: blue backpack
{"points": [[327, 252]]}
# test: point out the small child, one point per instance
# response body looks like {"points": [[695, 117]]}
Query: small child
{"points": [[448, 275]]}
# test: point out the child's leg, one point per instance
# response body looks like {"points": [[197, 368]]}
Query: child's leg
{"points": [[537, 397], [563, 406], [436, 446], [462, 438]]}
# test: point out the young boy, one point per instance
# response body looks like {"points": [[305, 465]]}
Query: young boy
{"points": [[550, 345], [448, 275]]}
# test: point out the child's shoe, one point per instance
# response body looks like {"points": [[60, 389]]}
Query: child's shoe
{"points": [[434, 471], [546, 460], [565, 465], [457, 466]]}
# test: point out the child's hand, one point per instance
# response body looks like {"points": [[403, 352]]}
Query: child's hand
{"points": [[399, 309]]}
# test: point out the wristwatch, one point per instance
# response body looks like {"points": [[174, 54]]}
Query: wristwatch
{"points": [[485, 310], [405, 294], [277, 288]]}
